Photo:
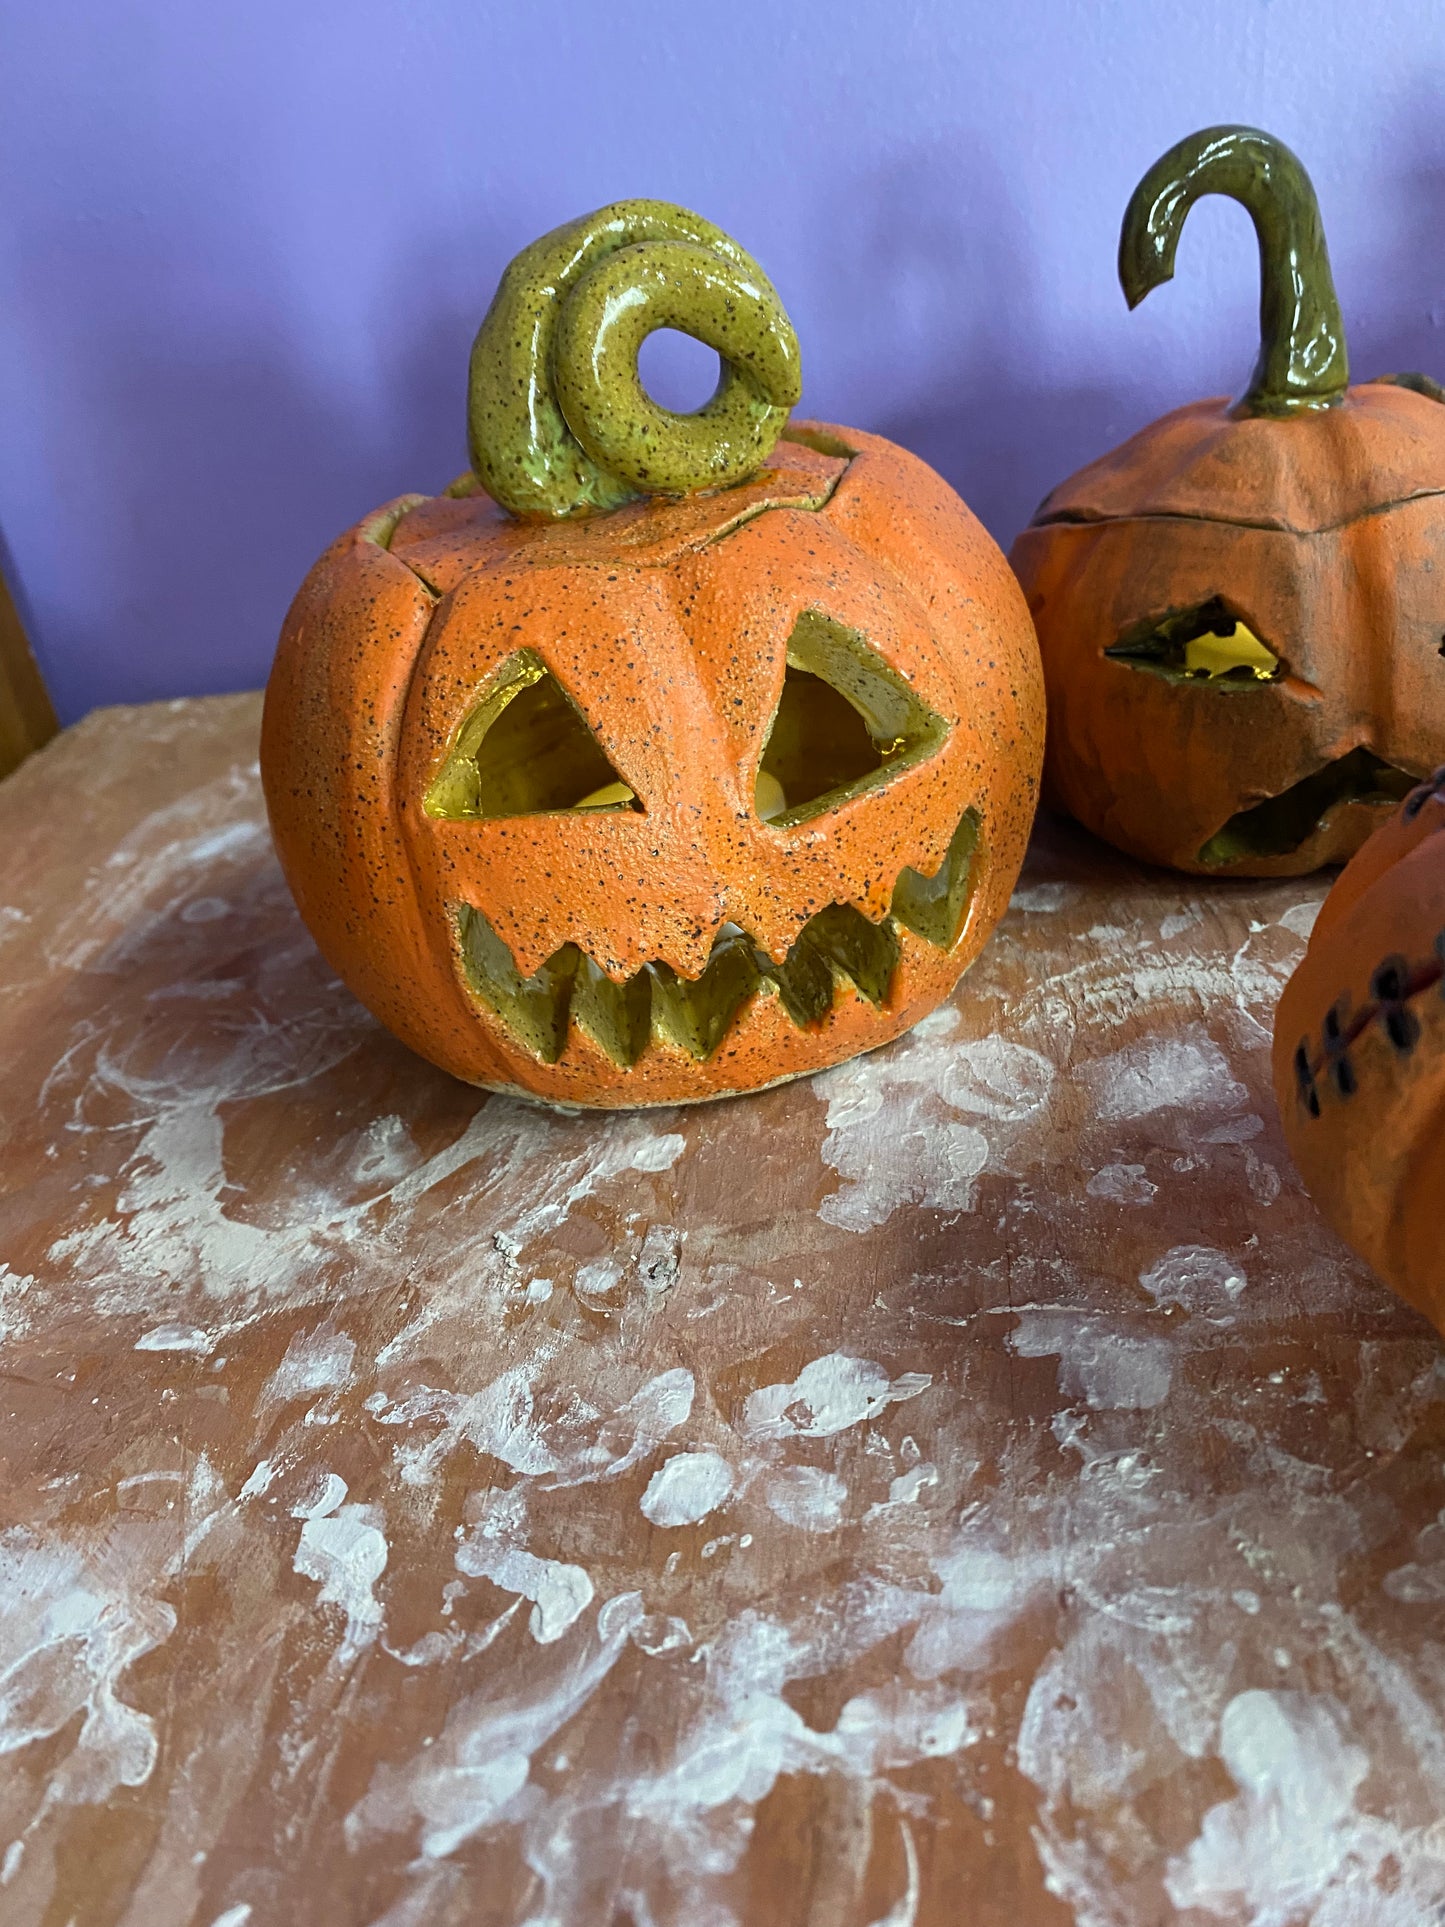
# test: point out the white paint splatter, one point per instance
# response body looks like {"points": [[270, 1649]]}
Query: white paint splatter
{"points": [[658, 1153], [12, 922], [15, 1310], [260, 1480], [177, 1338], [156, 859], [1110, 1369], [1201, 1279], [1186, 1068], [748, 1735], [1042, 899], [1301, 918], [995, 1077], [1234, 1130], [806, 1496], [560, 1593], [324, 1494], [889, 1138], [904, 1911], [828, 1395], [494, 1550], [483, 1756], [893, 1130], [1121, 1184], [910, 1486], [317, 1361], [1277, 1847], [73, 1620], [236, 1916], [575, 1447], [687, 1488], [346, 1554]]}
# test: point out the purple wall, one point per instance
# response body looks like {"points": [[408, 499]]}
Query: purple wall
{"points": [[246, 246]]}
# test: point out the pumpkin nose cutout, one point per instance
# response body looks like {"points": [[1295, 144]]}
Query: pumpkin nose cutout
{"points": [[524, 750], [845, 722]]}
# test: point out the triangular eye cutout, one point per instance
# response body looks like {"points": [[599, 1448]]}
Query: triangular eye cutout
{"points": [[526, 749], [845, 723]]}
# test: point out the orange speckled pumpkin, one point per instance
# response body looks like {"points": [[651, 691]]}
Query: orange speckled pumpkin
{"points": [[1242, 609], [1359, 1053], [646, 772]]}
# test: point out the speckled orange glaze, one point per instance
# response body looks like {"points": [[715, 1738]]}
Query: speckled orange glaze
{"points": [[1325, 532], [666, 621], [1359, 1053]]}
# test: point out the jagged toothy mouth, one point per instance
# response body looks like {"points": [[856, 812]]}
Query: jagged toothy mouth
{"points": [[655, 1004], [1282, 824]]}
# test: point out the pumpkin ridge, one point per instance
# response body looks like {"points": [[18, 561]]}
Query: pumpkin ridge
{"points": [[1104, 518]]}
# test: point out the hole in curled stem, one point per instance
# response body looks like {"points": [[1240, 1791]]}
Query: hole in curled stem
{"points": [[677, 372]]}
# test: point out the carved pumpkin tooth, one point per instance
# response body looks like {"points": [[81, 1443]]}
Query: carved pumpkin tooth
{"points": [[534, 1008], [866, 953], [695, 1015], [933, 907], [804, 982], [617, 1017]]}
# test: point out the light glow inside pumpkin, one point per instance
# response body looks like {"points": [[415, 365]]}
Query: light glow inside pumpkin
{"points": [[1228, 654]]}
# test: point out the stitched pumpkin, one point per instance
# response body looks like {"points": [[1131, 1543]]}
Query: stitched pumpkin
{"points": [[1359, 1053], [1242, 609], [663, 755]]}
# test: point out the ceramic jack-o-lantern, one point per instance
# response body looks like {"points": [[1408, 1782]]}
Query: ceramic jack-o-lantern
{"points": [[1242, 609], [663, 755], [1359, 1053]]}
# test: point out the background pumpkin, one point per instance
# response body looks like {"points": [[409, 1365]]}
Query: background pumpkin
{"points": [[1359, 1052], [659, 757], [1242, 609]]}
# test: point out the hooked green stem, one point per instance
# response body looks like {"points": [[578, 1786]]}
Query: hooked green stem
{"points": [[558, 421], [1302, 361]]}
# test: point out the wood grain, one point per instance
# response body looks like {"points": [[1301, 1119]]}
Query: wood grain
{"points": [[27, 720], [1071, 1547]]}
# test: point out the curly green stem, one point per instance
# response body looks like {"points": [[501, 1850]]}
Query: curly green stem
{"points": [[1302, 361], [558, 421]]}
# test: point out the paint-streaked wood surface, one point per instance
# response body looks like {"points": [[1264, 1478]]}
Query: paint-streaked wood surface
{"points": [[970, 1487]]}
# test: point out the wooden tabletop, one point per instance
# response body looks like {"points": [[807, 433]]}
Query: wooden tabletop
{"points": [[970, 1487]]}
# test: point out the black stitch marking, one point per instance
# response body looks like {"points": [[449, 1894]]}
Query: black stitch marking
{"points": [[1433, 785], [1337, 1065], [1394, 987], [1390, 987], [1305, 1079]]}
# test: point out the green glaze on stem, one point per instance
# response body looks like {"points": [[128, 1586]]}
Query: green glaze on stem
{"points": [[558, 421], [1302, 361]]}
